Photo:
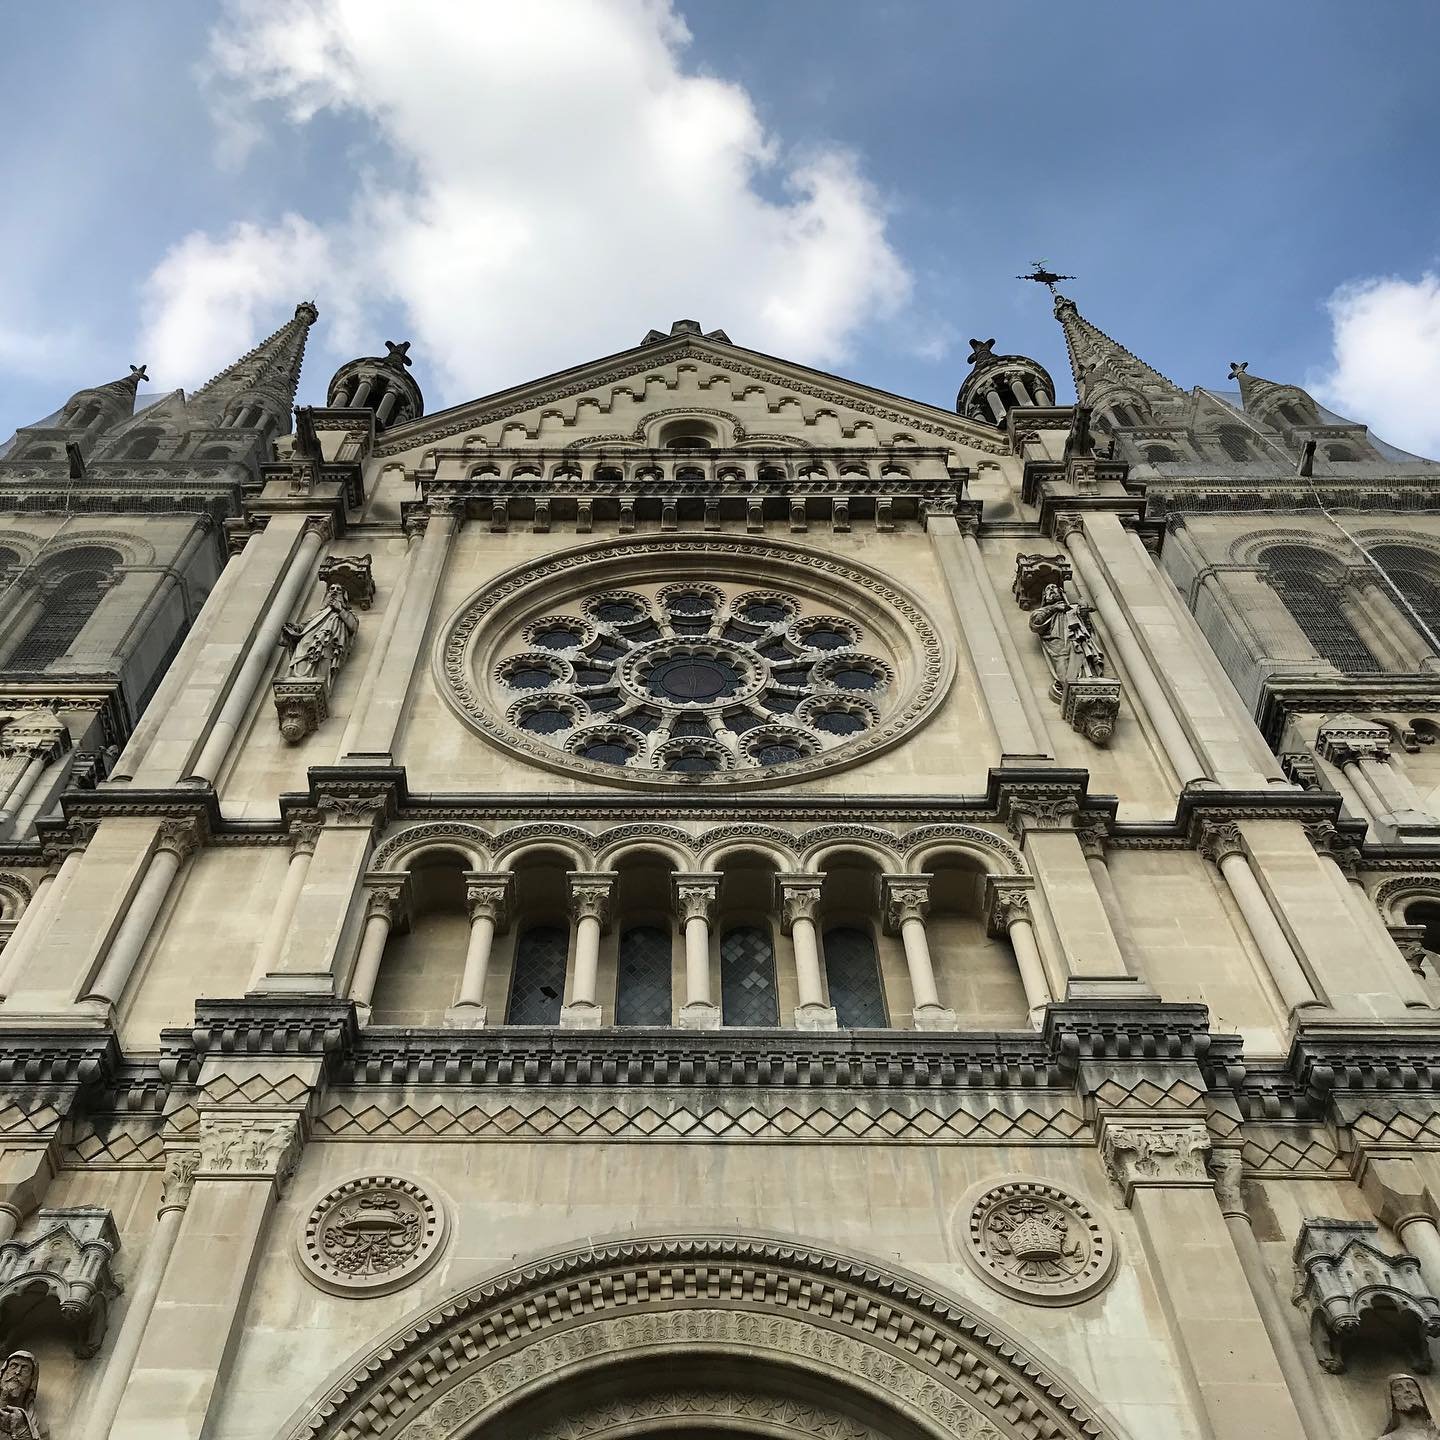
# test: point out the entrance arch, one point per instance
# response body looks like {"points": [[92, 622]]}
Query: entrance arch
{"points": [[711, 1337]]}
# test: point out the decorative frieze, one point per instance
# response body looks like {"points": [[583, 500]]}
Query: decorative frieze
{"points": [[1353, 1291]]}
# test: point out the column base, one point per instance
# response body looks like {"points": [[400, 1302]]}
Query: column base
{"points": [[700, 1015], [465, 1017], [815, 1017], [581, 1015], [932, 1017]]}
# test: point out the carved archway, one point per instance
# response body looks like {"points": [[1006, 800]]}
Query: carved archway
{"points": [[619, 1338]]}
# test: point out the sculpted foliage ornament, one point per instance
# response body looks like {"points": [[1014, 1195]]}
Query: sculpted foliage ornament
{"points": [[1160, 1155], [371, 1236], [1035, 1241]]}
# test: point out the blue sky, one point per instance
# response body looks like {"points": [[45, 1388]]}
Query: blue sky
{"points": [[518, 188]]}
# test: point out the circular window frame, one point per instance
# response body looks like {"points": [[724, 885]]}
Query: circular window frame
{"points": [[476, 634]]}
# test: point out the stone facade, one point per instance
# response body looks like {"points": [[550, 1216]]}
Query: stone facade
{"points": [[693, 895]]}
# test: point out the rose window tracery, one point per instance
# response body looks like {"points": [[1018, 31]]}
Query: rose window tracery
{"points": [[695, 679]]}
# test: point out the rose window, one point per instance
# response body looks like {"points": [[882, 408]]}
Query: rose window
{"points": [[694, 679]]}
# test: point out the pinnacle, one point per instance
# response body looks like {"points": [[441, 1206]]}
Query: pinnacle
{"points": [[1095, 357], [274, 364]]}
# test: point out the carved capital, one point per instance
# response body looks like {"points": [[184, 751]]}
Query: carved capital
{"points": [[180, 837], [1329, 841], [1348, 739], [488, 894], [905, 897], [799, 898], [354, 812], [1040, 811], [321, 525], [248, 1149], [696, 894], [386, 896], [304, 835], [1155, 1156], [1220, 839], [1092, 841], [1066, 525], [590, 892], [180, 1168], [1227, 1171]]}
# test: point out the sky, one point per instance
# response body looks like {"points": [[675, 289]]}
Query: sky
{"points": [[853, 184]]}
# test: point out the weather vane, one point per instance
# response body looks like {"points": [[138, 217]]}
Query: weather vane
{"points": [[1041, 276]]}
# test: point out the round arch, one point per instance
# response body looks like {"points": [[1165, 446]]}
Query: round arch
{"points": [[471, 1367], [401, 851], [993, 854], [519, 840], [727, 841]]}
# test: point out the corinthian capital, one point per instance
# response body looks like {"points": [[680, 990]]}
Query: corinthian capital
{"points": [[249, 1148], [906, 897], [696, 893], [487, 894], [590, 892], [1158, 1156], [1220, 839], [799, 898]]}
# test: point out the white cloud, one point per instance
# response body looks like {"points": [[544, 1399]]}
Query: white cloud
{"points": [[1385, 370], [540, 187]]}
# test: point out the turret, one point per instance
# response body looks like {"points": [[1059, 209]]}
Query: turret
{"points": [[380, 383], [996, 384], [87, 414]]}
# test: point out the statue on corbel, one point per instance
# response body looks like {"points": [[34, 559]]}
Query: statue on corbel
{"points": [[319, 646], [1089, 701]]}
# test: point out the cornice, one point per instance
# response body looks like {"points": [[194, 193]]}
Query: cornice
{"points": [[1282, 697]]}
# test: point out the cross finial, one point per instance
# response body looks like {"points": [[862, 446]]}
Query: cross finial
{"points": [[1237, 370], [397, 355], [138, 371], [981, 350]]}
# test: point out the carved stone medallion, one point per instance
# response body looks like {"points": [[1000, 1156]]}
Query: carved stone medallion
{"points": [[1034, 1241], [371, 1235]]}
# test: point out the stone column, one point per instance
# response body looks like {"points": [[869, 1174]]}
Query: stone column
{"points": [[326, 913], [696, 895], [1363, 753], [1226, 1168], [1222, 843], [999, 672], [175, 842], [370, 736], [487, 899], [303, 839], [1235, 1382], [1092, 845], [1401, 1199], [34, 743], [1345, 872], [799, 901], [34, 924], [1071, 533], [180, 1167], [386, 903], [299, 576], [184, 1358], [24, 927], [1007, 916], [590, 893], [906, 902]]}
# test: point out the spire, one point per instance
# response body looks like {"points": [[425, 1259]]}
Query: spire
{"points": [[1263, 398], [1104, 369], [267, 376]]}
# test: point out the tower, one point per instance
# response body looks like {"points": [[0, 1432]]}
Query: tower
{"points": [[695, 895]]}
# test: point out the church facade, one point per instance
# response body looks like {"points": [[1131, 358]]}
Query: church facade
{"points": [[697, 897]]}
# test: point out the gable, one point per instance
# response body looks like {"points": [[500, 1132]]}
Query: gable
{"points": [[750, 399]]}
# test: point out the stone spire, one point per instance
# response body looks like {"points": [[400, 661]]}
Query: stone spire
{"points": [[1106, 373], [260, 386], [1261, 397]]}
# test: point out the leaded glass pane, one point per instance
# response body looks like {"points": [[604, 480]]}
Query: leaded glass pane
{"points": [[66, 610], [1313, 600], [853, 972], [747, 978], [1413, 572], [642, 991], [537, 988]]}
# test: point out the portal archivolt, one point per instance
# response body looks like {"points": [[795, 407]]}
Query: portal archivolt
{"points": [[710, 1335]]}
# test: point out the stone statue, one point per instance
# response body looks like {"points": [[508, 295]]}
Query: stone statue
{"points": [[1410, 1416], [1071, 650], [319, 644], [20, 1379]]}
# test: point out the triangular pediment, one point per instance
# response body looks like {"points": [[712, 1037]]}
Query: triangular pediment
{"points": [[752, 398]]}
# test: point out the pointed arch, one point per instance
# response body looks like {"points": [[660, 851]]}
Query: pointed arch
{"points": [[475, 1365]]}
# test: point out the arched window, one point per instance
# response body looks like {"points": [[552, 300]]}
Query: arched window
{"points": [[87, 414], [213, 452], [83, 576], [1414, 573], [853, 972], [1339, 452], [1291, 414], [1426, 913], [1233, 442], [141, 445], [1123, 414], [1158, 454], [642, 978], [1309, 586], [537, 985], [747, 978]]}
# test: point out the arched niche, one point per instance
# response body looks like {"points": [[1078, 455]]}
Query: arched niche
{"points": [[754, 1319], [421, 969]]}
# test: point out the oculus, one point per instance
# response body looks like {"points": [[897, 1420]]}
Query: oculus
{"points": [[1035, 1241], [371, 1236], [618, 662]]}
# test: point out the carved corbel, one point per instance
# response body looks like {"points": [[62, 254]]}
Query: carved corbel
{"points": [[1353, 1291], [60, 1261], [352, 574]]}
